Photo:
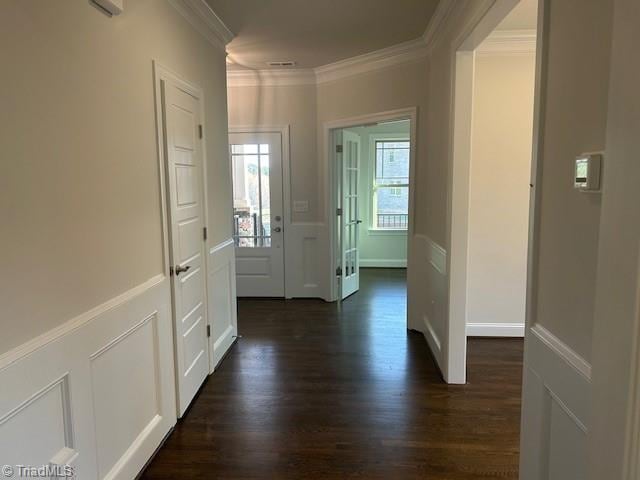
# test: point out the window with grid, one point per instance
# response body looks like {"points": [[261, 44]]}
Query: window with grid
{"points": [[391, 185]]}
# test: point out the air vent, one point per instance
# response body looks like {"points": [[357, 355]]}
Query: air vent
{"points": [[289, 63]]}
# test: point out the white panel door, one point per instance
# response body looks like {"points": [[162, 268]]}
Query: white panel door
{"points": [[187, 244], [256, 166], [350, 219]]}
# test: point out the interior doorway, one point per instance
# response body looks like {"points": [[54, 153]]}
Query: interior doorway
{"points": [[495, 70], [371, 164]]}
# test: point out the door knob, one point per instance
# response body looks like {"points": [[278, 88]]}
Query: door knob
{"points": [[178, 270], [277, 229]]}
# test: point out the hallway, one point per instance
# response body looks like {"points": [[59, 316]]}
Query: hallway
{"points": [[313, 390]]}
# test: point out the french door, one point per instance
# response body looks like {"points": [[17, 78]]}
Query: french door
{"points": [[349, 218], [256, 168]]}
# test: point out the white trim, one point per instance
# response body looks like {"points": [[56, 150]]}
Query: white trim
{"points": [[432, 338], [406, 52], [444, 8], [495, 329], [200, 15], [220, 246], [328, 155], [509, 42], [562, 350], [462, 53], [385, 232], [383, 263], [75, 323], [387, 57]]}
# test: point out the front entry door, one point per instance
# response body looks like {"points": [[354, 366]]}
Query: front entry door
{"points": [[256, 166], [350, 219], [183, 143]]}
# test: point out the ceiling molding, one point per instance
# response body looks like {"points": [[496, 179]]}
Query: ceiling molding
{"points": [[199, 14], [368, 62], [509, 42], [392, 56], [270, 78], [444, 8]]}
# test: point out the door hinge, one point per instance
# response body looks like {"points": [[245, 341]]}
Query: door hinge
{"points": [[200, 131], [338, 148], [338, 211], [339, 272], [204, 233], [208, 330]]}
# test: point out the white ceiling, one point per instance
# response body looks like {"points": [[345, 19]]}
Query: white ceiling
{"points": [[524, 16], [318, 32]]}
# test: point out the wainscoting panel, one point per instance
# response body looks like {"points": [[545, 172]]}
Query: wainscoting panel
{"points": [[96, 393], [427, 309], [305, 260], [222, 300], [557, 389]]}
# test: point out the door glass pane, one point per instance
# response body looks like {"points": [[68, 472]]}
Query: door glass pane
{"points": [[251, 195]]}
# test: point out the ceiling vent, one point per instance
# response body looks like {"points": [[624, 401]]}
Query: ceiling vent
{"points": [[289, 63]]}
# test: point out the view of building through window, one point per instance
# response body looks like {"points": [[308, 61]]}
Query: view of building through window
{"points": [[391, 185], [251, 196]]}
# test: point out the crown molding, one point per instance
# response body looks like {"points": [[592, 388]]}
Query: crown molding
{"points": [[444, 8], [509, 42], [200, 15], [368, 62], [388, 57], [270, 78]]}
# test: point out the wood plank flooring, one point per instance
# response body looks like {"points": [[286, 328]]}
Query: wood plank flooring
{"points": [[317, 391]]}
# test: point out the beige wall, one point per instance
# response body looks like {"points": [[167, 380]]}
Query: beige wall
{"points": [[286, 105], [79, 189], [574, 118], [499, 188]]}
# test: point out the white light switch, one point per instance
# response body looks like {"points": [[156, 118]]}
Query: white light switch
{"points": [[300, 206]]}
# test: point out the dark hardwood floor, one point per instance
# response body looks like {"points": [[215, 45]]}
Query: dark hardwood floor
{"points": [[313, 391]]}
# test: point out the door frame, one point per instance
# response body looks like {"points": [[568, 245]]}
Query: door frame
{"points": [[461, 116], [331, 189], [283, 130], [161, 76]]}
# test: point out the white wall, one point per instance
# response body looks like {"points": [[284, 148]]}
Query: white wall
{"points": [[384, 249], [502, 133], [615, 352], [86, 351], [571, 118]]}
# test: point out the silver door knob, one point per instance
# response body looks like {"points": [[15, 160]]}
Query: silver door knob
{"points": [[277, 229]]}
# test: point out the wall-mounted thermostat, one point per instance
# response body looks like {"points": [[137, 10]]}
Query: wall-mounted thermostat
{"points": [[587, 172]]}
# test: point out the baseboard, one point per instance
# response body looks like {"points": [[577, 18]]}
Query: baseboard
{"points": [[383, 263], [222, 345], [495, 330]]}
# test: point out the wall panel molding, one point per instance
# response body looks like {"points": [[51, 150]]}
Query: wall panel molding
{"points": [[556, 409], [222, 300], [62, 389]]}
